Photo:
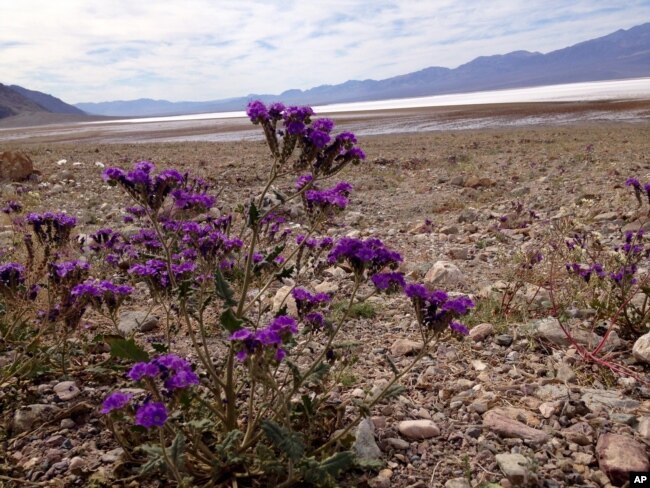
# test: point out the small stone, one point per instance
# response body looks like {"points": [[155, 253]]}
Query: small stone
{"points": [[581, 433], [480, 332], [607, 400], [396, 443], [552, 392], [478, 365], [327, 287], [644, 427], [515, 467], [66, 390], [548, 409], [503, 340], [405, 347], [461, 253], [457, 483], [77, 464], [68, 424], [418, 429], [618, 455], [444, 272], [509, 428], [112, 456], [565, 373], [136, 321], [25, 417], [365, 446], [382, 480], [641, 348]]}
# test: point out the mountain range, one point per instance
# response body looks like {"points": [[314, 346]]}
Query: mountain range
{"points": [[619, 55]]}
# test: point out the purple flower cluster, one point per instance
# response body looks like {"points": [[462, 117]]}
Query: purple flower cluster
{"points": [[147, 190], [156, 273], [104, 239], [306, 302], [637, 186], [302, 181], [370, 255], [331, 198], [52, 228], [116, 400], [313, 243], [12, 276], [388, 282], [436, 310], [12, 207], [270, 338], [99, 293], [186, 200], [151, 414], [69, 272], [176, 372]]}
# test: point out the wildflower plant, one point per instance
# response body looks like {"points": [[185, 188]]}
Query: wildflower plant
{"points": [[250, 401]]}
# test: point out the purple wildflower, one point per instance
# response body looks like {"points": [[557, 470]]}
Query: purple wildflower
{"points": [[115, 401], [370, 254], [324, 125], [319, 138], [141, 370], [302, 181], [12, 275], [151, 414], [388, 281], [182, 379], [257, 112], [12, 207], [459, 328], [633, 182]]}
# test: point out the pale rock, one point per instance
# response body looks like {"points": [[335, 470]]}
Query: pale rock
{"points": [[137, 321], [15, 166], [644, 428], [551, 392], [418, 429], [112, 456], [515, 467], [405, 347], [581, 433], [606, 216], [607, 400], [509, 428], [618, 455], [77, 464], [565, 373], [26, 417], [399, 444], [548, 409], [481, 332], [365, 446], [479, 365], [549, 328], [66, 390], [444, 273], [382, 480], [641, 348], [327, 287], [457, 483], [283, 297]]}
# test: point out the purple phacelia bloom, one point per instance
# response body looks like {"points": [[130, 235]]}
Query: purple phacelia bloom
{"points": [[142, 370], [115, 401], [257, 111], [12, 207], [370, 254], [434, 309], [319, 138], [302, 181], [276, 110], [415, 290], [151, 414], [172, 361], [633, 182], [71, 272], [459, 305], [12, 275], [459, 328], [193, 201], [324, 125], [353, 154], [182, 378], [52, 228], [295, 128], [284, 325], [337, 196], [388, 281], [347, 137]]}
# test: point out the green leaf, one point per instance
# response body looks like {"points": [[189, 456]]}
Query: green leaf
{"points": [[160, 347], [319, 373], [229, 322], [295, 372], [284, 439], [126, 348], [222, 289], [325, 472], [282, 311], [253, 215], [285, 273]]}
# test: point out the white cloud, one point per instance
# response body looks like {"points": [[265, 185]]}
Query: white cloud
{"points": [[93, 50]]}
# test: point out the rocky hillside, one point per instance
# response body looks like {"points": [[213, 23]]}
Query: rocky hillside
{"points": [[48, 102], [13, 103]]}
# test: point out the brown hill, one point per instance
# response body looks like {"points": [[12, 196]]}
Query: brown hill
{"points": [[13, 103]]}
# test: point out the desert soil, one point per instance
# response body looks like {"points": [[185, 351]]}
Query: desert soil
{"points": [[434, 196]]}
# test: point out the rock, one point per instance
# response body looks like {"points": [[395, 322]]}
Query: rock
{"points": [[137, 321], [26, 417], [444, 273], [326, 287], [15, 166], [641, 348], [382, 480], [396, 443], [581, 433], [549, 329], [607, 400], [548, 409], [551, 392], [478, 365], [77, 464], [507, 427], [461, 253], [515, 467], [618, 455], [565, 373], [283, 297], [112, 456], [449, 230], [365, 446], [418, 429], [644, 427], [503, 340], [68, 424], [405, 347], [457, 483], [606, 216], [480, 332], [66, 390]]}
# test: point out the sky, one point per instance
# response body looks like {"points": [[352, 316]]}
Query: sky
{"points": [[196, 50]]}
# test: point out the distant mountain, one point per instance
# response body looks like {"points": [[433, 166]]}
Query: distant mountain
{"points": [[48, 102], [23, 104], [622, 54], [13, 103]]}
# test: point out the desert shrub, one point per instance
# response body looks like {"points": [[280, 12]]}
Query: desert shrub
{"points": [[249, 402]]}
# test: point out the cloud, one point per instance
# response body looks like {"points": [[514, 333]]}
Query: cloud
{"points": [[91, 50]]}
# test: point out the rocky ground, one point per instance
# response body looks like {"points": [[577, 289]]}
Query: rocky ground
{"points": [[513, 404]]}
